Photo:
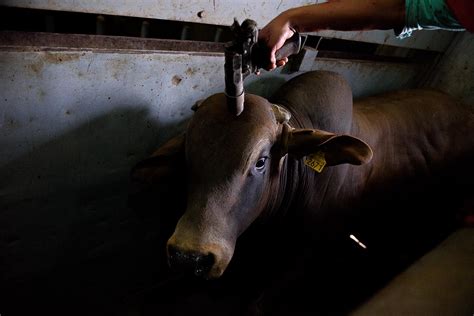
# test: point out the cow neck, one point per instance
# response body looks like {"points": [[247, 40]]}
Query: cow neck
{"points": [[302, 188]]}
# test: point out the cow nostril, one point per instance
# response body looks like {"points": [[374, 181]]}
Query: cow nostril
{"points": [[192, 262], [204, 264]]}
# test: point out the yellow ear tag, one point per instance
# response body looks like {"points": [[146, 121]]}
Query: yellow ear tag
{"points": [[315, 161]]}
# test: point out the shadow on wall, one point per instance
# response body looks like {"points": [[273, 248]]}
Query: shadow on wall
{"points": [[68, 238], [265, 85]]}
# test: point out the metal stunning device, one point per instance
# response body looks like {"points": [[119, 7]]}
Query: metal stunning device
{"points": [[245, 55]]}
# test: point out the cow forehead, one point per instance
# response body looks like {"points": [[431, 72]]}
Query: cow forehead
{"points": [[214, 131], [214, 118]]}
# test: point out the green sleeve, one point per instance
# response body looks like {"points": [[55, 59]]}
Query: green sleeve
{"points": [[428, 14]]}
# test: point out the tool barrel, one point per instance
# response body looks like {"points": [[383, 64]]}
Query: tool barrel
{"points": [[234, 82]]}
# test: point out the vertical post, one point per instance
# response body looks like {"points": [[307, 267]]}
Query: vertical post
{"points": [[144, 31], [100, 25]]}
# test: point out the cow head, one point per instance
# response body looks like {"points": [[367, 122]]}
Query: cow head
{"points": [[232, 164]]}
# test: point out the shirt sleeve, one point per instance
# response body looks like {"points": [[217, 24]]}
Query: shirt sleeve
{"points": [[427, 14]]}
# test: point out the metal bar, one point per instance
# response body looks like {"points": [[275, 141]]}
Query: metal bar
{"points": [[426, 57], [48, 41]]}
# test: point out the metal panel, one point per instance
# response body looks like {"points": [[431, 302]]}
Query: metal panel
{"points": [[222, 12]]}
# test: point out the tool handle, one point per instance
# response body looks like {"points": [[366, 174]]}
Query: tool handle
{"points": [[291, 46]]}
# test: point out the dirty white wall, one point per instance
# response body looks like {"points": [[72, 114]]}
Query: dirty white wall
{"points": [[74, 121]]}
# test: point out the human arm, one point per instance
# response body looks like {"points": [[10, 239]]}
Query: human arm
{"points": [[342, 15]]}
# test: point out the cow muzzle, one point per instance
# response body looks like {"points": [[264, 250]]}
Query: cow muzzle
{"points": [[196, 263], [206, 260]]}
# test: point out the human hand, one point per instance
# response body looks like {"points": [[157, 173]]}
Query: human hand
{"points": [[274, 35]]}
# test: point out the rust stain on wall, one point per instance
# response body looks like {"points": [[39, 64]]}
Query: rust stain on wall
{"points": [[191, 71], [57, 58], [46, 58], [119, 67], [37, 66], [176, 80]]}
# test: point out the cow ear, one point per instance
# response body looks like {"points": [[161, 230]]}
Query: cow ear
{"points": [[336, 149], [159, 180], [164, 163], [282, 115]]}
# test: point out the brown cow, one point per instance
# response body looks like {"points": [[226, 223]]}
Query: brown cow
{"points": [[238, 169]]}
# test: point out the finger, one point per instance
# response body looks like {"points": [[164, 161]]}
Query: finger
{"points": [[272, 56], [273, 62], [282, 62]]}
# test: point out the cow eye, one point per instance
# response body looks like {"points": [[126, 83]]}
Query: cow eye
{"points": [[260, 165]]}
